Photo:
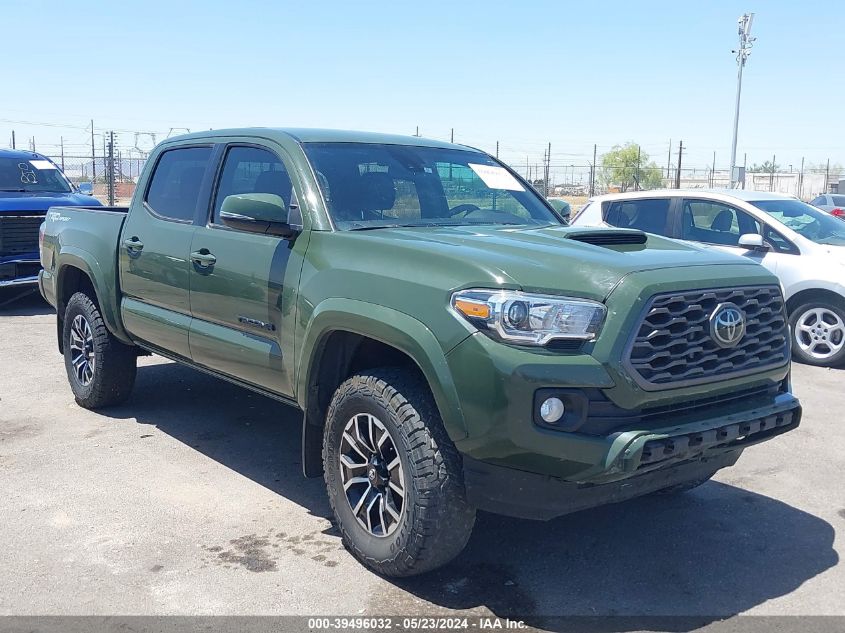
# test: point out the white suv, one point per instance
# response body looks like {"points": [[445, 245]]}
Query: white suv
{"points": [[803, 246]]}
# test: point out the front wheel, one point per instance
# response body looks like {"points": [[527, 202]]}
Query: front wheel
{"points": [[818, 331], [394, 478], [101, 370]]}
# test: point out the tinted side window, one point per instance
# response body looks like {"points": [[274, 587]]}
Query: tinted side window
{"points": [[252, 170], [818, 200], [713, 222], [649, 215], [175, 185], [838, 201]]}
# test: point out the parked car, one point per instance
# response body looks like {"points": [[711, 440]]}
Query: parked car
{"points": [[832, 203], [451, 349], [29, 184], [803, 246], [560, 205]]}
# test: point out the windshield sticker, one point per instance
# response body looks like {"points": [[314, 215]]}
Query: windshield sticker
{"points": [[496, 177], [42, 164], [28, 176]]}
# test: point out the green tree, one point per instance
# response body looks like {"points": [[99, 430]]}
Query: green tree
{"points": [[766, 168], [628, 167]]}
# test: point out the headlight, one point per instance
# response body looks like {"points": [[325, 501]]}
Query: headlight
{"points": [[530, 319]]}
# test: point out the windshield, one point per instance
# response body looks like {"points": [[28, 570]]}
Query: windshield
{"points": [[805, 220], [31, 175], [370, 186]]}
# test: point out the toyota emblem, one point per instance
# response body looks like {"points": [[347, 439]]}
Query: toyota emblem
{"points": [[727, 325]]}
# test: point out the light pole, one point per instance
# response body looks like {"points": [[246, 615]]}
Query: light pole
{"points": [[742, 53]]}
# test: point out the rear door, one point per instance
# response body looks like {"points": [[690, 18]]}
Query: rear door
{"points": [[154, 248], [239, 287], [651, 215]]}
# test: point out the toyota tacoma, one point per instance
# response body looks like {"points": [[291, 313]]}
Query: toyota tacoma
{"points": [[453, 345]]}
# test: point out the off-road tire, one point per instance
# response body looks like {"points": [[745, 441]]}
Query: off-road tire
{"points": [[833, 360], [115, 363], [436, 520]]}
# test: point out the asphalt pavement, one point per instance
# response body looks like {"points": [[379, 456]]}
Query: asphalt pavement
{"points": [[189, 500]]}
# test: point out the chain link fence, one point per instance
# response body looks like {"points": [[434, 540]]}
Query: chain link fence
{"points": [[112, 178]]}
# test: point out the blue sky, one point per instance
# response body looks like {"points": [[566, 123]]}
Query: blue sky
{"points": [[525, 74]]}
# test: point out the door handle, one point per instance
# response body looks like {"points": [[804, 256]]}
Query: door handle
{"points": [[203, 259], [133, 244]]}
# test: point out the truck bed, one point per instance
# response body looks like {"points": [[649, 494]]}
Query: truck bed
{"points": [[94, 231]]}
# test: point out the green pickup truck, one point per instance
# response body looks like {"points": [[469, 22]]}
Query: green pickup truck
{"points": [[452, 344]]}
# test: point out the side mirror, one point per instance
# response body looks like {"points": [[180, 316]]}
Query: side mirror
{"points": [[257, 213], [753, 242], [85, 188]]}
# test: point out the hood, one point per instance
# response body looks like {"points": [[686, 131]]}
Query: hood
{"points": [[42, 200], [547, 259]]}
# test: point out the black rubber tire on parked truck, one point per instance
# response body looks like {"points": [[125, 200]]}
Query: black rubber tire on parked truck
{"points": [[393, 412], [88, 345]]}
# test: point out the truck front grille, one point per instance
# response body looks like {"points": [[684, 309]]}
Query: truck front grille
{"points": [[19, 233], [673, 346]]}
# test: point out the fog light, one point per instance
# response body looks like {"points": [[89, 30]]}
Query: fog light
{"points": [[552, 410]]}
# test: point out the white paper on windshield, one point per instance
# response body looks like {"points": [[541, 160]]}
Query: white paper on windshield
{"points": [[42, 164], [496, 177]]}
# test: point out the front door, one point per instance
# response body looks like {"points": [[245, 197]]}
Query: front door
{"points": [[721, 225], [238, 279], [154, 248]]}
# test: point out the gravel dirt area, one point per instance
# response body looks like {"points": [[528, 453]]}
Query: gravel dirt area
{"points": [[189, 500]]}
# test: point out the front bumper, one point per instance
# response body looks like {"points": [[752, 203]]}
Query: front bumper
{"points": [[19, 271], [497, 385], [531, 496]]}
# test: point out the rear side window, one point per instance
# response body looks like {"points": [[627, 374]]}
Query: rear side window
{"points": [[175, 186], [839, 201], [649, 215]]}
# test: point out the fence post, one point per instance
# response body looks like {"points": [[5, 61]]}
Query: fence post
{"points": [[801, 179]]}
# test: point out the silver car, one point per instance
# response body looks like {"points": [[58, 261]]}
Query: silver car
{"points": [[830, 202], [802, 245]]}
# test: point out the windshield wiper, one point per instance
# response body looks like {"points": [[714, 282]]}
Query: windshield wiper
{"points": [[14, 190]]}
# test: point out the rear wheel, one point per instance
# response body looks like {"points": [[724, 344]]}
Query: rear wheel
{"points": [[393, 476], [100, 369], [818, 334]]}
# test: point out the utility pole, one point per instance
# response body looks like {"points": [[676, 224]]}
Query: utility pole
{"points": [[32, 144], [742, 53], [497, 149], [62, 141], [593, 172], [418, 131], [637, 172], [93, 157], [669, 161], [451, 138], [678, 172], [548, 169], [13, 139], [110, 169]]}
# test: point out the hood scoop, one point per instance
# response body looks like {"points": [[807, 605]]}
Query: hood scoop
{"points": [[609, 237]]}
